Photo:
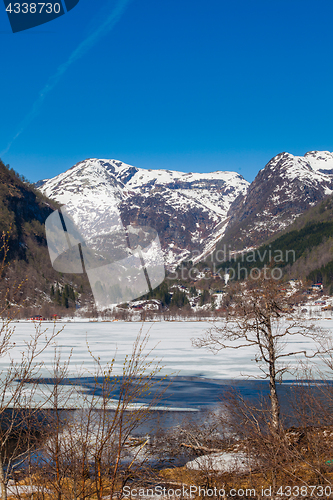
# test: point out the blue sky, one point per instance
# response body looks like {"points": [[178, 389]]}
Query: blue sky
{"points": [[178, 84]]}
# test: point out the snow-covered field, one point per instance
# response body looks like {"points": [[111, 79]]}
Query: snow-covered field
{"points": [[170, 341]]}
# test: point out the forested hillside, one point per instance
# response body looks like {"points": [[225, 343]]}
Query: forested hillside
{"points": [[23, 211], [303, 250]]}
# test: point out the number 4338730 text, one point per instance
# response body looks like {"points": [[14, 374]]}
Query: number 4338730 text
{"points": [[34, 8]]}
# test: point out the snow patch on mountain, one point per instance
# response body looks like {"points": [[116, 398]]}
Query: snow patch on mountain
{"points": [[282, 190], [315, 167], [192, 212], [186, 209]]}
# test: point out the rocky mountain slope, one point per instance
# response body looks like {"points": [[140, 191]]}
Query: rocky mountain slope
{"points": [[194, 213], [188, 210], [286, 187]]}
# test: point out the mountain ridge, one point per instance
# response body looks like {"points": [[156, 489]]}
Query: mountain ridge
{"points": [[286, 187], [184, 208], [194, 213]]}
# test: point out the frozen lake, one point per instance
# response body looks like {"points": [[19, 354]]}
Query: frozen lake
{"points": [[170, 342], [199, 377]]}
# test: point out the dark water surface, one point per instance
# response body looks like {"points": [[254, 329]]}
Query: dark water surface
{"points": [[192, 393], [193, 397]]}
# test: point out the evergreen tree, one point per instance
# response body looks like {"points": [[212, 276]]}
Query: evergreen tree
{"points": [[204, 297], [179, 299]]}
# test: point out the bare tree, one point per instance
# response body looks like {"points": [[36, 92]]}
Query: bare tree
{"points": [[257, 318], [18, 402], [89, 450], [92, 453]]}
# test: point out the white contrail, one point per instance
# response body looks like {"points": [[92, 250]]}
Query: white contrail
{"points": [[81, 49]]}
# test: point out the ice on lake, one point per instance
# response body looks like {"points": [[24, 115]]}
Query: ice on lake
{"points": [[169, 342], [200, 378]]}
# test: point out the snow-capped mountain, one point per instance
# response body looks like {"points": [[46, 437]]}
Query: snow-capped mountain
{"points": [[188, 210], [281, 191], [193, 212]]}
